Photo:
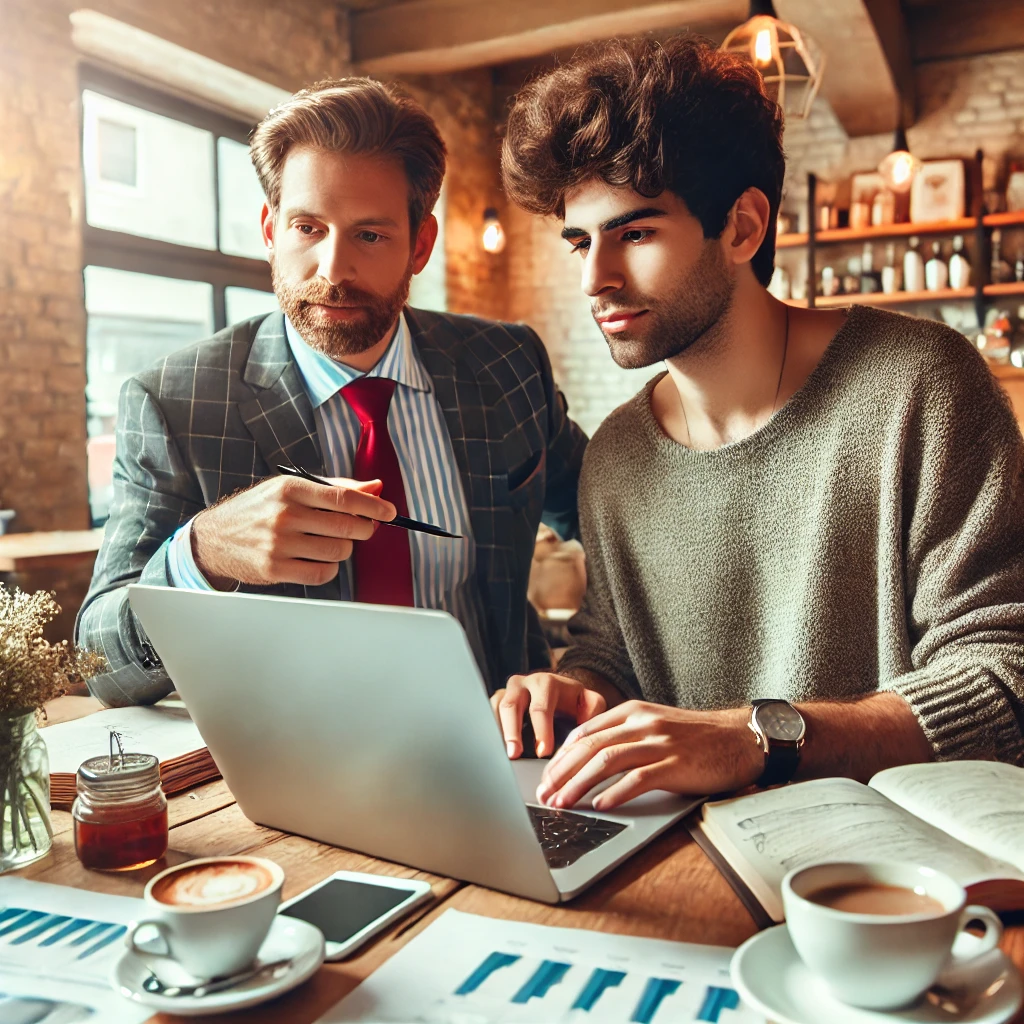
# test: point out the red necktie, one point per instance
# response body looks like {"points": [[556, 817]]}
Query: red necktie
{"points": [[383, 564]]}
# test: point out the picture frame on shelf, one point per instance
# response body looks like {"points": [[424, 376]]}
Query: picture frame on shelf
{"points": [[938, 192]]}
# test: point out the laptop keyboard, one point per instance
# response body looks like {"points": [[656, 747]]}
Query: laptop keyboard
{"points": [[565, 836]]}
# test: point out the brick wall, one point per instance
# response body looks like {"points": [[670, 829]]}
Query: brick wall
{"points": [[42, 319], [962, 105], [42, 316]]}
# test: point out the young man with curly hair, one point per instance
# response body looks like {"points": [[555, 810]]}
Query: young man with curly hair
{"points": [[805, 538]]}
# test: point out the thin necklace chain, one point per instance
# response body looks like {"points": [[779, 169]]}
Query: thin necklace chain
{"points": [[778, 386]]}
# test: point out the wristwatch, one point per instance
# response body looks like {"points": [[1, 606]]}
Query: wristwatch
{"points": [[780, 731]]}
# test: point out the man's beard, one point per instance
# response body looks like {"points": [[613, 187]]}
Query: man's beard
{"points": [[673, 323], [339, 338]]}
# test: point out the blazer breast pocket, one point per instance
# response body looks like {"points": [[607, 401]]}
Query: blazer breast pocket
{"points": [[526, 479]]}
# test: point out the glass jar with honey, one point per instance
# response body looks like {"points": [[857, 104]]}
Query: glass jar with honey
{"points": [[120, 813]]}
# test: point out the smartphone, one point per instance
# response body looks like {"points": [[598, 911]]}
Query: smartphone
{"points": [[350, 907]]}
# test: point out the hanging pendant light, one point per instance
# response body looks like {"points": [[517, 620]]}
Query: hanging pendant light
{"points": [[790, 62], [900, 167]]}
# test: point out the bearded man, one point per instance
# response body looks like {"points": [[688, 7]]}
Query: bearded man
{"points": [[452, 420]]}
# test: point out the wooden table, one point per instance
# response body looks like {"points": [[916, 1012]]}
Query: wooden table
{"points": [[20, 552], [669, 890]]}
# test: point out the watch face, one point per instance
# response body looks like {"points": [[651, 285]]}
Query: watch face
{"points": [[780, 722]]}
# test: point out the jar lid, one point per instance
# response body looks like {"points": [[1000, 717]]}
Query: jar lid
{"points": [[120, 771]]}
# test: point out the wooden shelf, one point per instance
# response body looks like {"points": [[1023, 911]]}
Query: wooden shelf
{"points": [[1008, 288], [1006, 372], [939, 227], [895, 299], [1003, 220]]}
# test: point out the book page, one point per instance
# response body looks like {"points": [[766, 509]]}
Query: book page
{"points": [[167, 732], [779, 830], [978, 802]]}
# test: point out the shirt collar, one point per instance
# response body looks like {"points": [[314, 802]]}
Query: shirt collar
{"points": [[324, 377]]}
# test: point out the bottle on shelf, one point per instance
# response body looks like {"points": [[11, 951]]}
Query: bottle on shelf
{"points": [[890, 272], [1018, 267], [1017, 341], [851, 279], [994, 343], [999, 270], [870, 279], [913, 267], [936, 273], [959, 268]]}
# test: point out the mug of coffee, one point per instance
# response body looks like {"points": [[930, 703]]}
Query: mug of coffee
{"points": [[210, 915], [880, 934]]}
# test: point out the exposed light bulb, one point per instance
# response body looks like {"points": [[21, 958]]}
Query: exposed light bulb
{"points": [[763, 46], [493, 237], [900, 167]]}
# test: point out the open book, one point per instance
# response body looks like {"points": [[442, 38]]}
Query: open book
{"points": [[965, 818], [167, 732]]}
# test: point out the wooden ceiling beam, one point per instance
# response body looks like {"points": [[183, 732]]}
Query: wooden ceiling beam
{"points": [[869, 75], [868, 79], [944, 31], [439, 36]]}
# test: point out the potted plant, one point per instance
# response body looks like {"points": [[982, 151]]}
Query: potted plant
{"points": [[32, 672]]}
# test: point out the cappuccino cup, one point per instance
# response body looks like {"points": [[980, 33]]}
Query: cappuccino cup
{"points": [[880, 934], [209, 915]]}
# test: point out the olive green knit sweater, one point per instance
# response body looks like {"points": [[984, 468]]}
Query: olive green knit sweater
{"points": [[869, 537]]}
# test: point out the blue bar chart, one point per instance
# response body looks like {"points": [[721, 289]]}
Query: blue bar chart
{"points": [[714, 999], [469, 968]]}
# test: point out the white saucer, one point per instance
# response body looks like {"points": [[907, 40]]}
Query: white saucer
{"points": [[772, 979], [288, 937]]}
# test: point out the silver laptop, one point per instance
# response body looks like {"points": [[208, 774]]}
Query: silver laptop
{"points": [[368, 727]]}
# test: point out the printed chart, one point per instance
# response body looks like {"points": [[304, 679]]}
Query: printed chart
{"points": [[466, 969], [57, 946]]}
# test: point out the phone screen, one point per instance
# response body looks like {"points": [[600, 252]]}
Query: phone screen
{"points": [[342, 907]]}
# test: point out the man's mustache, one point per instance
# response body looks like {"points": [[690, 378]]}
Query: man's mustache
{"points": [[334, 295]]}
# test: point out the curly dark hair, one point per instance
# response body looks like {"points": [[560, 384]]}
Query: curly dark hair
{"points": [[678, 115]]}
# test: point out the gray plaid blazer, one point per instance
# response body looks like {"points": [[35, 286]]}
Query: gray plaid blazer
{"points": [[215, 417]]}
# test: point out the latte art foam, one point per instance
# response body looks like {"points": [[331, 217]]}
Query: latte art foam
{"points": [[212, 885]]}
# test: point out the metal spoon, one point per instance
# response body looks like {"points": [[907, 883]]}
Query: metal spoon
{"points": [[155, 986]]}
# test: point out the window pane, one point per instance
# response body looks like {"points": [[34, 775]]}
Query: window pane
{"points": [[241, 199], [118, 150], [243, 303], [146, 174], [134, 319]]}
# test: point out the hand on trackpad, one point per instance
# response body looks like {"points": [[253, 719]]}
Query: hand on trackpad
{"points": [[587, 801]]}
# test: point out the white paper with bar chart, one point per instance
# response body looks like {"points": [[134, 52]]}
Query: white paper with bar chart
{"points": [[57, 947], [466, 969]]}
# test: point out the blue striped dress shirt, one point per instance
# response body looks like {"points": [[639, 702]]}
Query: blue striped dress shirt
{"points": [[443, 569]]}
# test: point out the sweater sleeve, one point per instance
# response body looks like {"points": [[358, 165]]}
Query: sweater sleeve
{"points": [[963, 534], [596, 640]]}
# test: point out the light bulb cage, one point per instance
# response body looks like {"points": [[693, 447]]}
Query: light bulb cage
{"points": [[793, 68]]}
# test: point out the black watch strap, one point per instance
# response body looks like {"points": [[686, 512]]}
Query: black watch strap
{"points": [[780, 764]]}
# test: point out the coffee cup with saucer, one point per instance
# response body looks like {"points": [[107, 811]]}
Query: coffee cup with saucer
{"points": [[210, 919], [877, 942]]}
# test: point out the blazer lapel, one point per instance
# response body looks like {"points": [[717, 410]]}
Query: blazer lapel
{"points": [[279, 415]]}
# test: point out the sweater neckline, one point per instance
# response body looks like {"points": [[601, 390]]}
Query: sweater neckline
{"points": [[811, 388]]}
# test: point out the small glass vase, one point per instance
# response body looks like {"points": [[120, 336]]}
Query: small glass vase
{"points": [[25, 830]]}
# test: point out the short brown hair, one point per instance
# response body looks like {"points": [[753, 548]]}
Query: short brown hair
{"points": [[680, 115], [354, 115]]}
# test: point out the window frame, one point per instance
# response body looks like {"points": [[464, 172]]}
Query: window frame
{"points": [[120, 250]]}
